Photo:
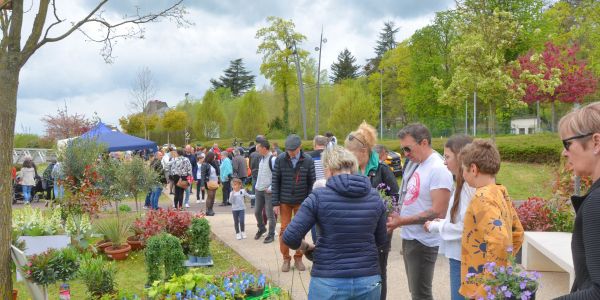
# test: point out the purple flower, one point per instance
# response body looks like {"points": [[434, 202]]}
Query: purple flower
{"points": [[503, 288], [509, 249], [491, 297], [501, 270], [487, 288], [509, 270], [523, 285], [507, 294], [490, 266], [526, 295], [469, 275]]}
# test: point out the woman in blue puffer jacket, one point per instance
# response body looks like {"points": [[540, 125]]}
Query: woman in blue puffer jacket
{"points": [[350, 220]]}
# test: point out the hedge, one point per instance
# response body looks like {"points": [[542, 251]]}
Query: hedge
{"points": [[538, 148]]}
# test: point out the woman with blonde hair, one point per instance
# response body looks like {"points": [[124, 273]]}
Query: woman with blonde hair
{"points": [[580, 134], [361, 143], [350, 220]]}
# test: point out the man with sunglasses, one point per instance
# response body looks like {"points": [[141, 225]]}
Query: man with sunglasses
{"points": [[427, 194]]}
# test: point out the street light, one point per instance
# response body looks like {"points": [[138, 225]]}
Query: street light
{"points": [[321, 41], [381, 103]]}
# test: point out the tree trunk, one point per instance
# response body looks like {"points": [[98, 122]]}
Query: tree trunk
{"points": [[286, 104], [9, 83], [553, 116]]}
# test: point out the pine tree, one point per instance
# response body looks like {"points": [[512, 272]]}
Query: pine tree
{"points": [[236, 78], [345, 67], [386, 42]]}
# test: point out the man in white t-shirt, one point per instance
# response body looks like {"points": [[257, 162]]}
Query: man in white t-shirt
{"points": [[427, 195]]}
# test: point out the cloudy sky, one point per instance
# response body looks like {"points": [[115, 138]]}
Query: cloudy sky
{"points": [[183, 60]]}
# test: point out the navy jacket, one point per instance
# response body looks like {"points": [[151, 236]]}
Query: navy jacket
{"points": [[350, 218], [291, 185]]}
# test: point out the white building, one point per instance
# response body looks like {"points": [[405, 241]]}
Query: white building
{"points": [[525, 125]]}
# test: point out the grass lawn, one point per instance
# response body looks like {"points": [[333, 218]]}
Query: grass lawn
{"points": [[131, 274], [527, 180]]}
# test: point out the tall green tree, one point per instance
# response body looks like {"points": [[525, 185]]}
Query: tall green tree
{"points": [[236, 78], [210, 118], [278, 43], [20, 39], [251, 117], [479, 57], [353, 104], [386, 42], [345, 67]]}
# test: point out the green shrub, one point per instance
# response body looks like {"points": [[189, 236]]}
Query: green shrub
{"points": [[124, 208], [98, 276], [164, 252], [115, 230], [199, 237]]}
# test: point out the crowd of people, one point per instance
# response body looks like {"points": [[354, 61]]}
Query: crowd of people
{"points": [[447, 203]]}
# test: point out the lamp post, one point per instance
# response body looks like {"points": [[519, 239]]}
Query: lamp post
{"points": [[301, 88], [321, 41], [381, 103]]}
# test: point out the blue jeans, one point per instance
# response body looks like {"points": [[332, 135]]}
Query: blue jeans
{"points": [[363, 288], [27, 193], [455, 280], [59, 190], [155, 196], [147, 203], [238, 220], [187, 194]]}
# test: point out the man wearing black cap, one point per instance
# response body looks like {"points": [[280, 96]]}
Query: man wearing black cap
{"points": [[293, 178]]}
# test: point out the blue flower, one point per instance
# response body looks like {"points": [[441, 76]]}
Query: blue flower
{"points": [[507, 294], [523, 285]]}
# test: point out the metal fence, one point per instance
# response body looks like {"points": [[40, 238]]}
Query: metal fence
{"points": [[38, 155]]}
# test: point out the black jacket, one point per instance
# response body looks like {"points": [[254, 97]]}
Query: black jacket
{"points": [[585, 245], [205, 171], [383, 174], [292, 185], [255, 158]]}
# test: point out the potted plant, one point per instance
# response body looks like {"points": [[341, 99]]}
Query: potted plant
{"points": [[136, 240], [116, 231], [164, 251], [51, 266], [98, 276], [78, 226], [39, 230], [257, 287], [506, 282], [199, 242]]}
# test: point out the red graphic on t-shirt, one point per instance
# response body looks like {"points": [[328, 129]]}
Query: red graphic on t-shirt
{"points": [[413, 189]]}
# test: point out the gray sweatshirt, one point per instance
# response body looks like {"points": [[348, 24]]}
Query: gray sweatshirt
{"points": [[237, 199]]}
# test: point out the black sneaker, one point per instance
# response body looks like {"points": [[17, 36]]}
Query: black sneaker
{"points": [[259, 234], [269, 239]]}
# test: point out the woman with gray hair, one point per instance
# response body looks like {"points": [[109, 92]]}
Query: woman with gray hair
{"points": [[350, 220]]}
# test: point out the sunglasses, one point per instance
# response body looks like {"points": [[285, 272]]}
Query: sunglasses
{"points": [[407, 149], [568, 141], [351, 138]]}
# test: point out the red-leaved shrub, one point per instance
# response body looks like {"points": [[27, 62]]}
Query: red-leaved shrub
{"points": [[535, 215], [170, 221]]}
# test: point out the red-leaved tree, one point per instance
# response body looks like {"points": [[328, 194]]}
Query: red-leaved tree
{"points": [[63, 125], [556, 74]]}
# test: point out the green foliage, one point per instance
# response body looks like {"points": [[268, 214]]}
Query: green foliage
{"points": [[52, 266], [174, 120], [236, 78], [199, 237], [124, 208], [34, 222], [98, 276], [114, 230], [28, 140], [251, 117], [210, 119], [387, 38], [345, 67], [164, 252], [79, 154], [353, 105], [137, 124], [135, 177]]}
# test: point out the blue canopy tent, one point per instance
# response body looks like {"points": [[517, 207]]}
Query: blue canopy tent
{"points": [[118, 141]]}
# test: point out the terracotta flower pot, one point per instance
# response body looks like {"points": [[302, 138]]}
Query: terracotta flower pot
{"points": [[118, 254], [15, 294], [135, 243], [101, 245]]}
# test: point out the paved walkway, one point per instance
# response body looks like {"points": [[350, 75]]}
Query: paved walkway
{"points": [[267, 259]]}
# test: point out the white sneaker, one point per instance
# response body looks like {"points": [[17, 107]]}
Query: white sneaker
{"points": [[197, 201], [238, 236], [187, 205], [244, 235]]}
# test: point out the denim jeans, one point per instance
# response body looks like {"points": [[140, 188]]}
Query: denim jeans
{"points": [[27, 193], [238, 220], [363, 288], [147, 202], [59, 190], [455, 280], [156, 192], [187, 194]]}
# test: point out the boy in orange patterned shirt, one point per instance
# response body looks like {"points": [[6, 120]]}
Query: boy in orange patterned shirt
{"points": [[491, 222]]}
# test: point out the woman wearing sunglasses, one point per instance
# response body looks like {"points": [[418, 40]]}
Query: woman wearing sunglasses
{"points": [[580, 134], [361, 143]]}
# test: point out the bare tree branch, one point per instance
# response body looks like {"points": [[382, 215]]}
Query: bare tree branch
{"points": [[58, 20], [36, 30], [174, 13]]}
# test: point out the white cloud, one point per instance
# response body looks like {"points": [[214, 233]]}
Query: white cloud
{"points": [[183, 60]]}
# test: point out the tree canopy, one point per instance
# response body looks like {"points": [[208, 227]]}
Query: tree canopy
{"points": [[236, 78]]}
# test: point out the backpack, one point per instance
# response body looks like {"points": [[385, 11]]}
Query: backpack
{"points": [[272, 162]]}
